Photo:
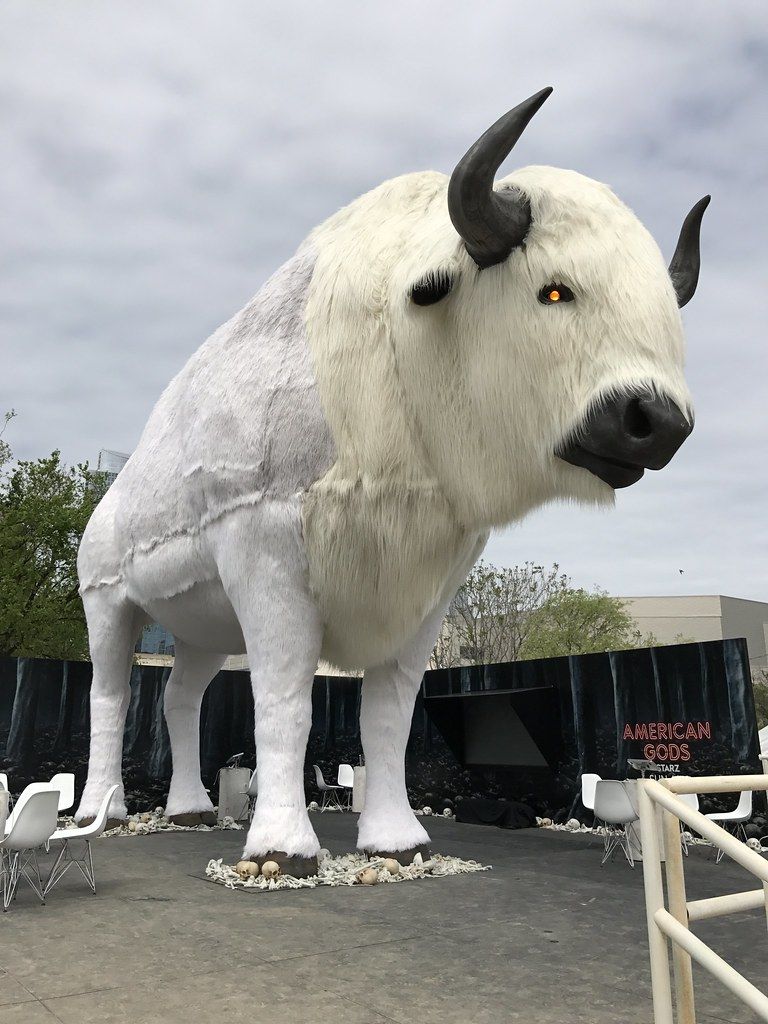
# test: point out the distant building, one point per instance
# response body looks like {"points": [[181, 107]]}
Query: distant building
{"points": [[110, 463], [156, 640], [704, 617]]}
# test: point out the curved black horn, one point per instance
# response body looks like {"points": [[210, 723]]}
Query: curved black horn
{"points": [[684, 265], [491, 224]]}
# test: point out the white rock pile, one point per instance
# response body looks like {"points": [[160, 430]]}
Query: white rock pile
{"points": [[313, 807], [574, 825], [146, 823], [351, 869]]}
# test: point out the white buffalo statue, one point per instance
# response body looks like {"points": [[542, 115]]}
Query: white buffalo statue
{"points": [[439, 357]]}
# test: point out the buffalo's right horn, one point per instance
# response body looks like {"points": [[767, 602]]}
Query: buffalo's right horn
{"points": [[491, 223], [684, 265]]}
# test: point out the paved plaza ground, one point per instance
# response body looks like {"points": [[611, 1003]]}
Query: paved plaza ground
{"points": [[547, 937]]}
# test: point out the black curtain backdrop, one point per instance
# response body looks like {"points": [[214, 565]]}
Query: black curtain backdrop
{"points": [[44, 723]]}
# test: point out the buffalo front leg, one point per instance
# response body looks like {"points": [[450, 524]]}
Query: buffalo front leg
{"points": [[387, 824], [113, 625], [283, 635], [188, 802]]}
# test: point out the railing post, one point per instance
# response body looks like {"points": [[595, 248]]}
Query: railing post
{"points": [[654, 900], [764, 761], [686, 1013]]}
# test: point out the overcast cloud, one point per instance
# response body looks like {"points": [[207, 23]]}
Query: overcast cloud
{"points": [[160, 159]]}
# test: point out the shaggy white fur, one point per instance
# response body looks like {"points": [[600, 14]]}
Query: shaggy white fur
{"points": [[446, 417], [387, 822], [321, 475], [191, 673]]}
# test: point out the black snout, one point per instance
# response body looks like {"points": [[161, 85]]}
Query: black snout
{"points": [[622, 437]]}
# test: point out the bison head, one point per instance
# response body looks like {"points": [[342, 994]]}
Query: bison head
{"points": [[520, 339]]}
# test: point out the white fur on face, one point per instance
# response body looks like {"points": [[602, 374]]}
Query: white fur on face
{"points": [[476, 392], [446, 417]]}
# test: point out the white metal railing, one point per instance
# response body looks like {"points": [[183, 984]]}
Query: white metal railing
{"points": [[660, 811]]}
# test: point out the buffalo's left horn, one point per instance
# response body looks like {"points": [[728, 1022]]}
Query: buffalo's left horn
{"points": [[684, 265], [491, 224]]}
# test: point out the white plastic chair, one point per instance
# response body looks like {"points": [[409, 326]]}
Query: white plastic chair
{"points": [[734, 821], [69, 837], [65, 783], [589, 783], [346, 779], [28, 792], [253, 792], [4, 788], [33, 825], [330, 794], [4, 801], [613, 806]]}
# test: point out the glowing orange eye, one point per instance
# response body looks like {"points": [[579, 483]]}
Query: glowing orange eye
{"points": [[551, 294]]}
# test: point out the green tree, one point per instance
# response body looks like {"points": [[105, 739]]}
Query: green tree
{"points": [[5, 449], [577, 621], [44, 507], [490, 617], [761, 697], [529, 611]]}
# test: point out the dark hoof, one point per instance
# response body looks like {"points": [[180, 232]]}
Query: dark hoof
{"points": [[208, 818], [296, 867], [401, 856], [189, 820], [111, 822]]}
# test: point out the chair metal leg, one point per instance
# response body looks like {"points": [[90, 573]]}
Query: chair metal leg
{"points": [[10, 879], [617, 839], [28, 867], [683, 840], [595, 826], [59, 869], [738, 831], [66, 859], [90, 867], [330, 799], [626, 846], [609, 845]]}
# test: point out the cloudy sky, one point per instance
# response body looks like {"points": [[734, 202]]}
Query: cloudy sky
{"points": [[159, 159]]}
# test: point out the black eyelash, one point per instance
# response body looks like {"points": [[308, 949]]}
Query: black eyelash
{"points": [[431, 288], [566, 295]]}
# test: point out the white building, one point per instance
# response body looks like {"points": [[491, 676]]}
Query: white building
{"points": [[704, 617]]}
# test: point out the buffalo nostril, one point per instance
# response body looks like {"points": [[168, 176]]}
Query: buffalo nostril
{"points": [[636, 423]]}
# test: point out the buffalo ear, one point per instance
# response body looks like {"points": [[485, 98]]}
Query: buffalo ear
{"points": [[432, 287]]}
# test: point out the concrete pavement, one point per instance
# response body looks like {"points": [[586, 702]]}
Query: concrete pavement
{"points": [[547, 937]]}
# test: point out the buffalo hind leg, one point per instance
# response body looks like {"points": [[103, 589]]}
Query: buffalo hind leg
{"points": [[113, 627], [188, 802]]}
